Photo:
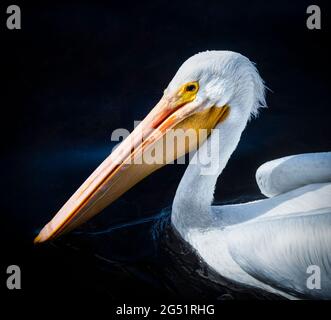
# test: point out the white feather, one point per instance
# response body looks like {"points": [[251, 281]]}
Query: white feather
{"points": [[268, 243]]}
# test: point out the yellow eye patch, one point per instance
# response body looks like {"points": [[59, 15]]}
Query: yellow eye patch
{"points": [[188, 92]]}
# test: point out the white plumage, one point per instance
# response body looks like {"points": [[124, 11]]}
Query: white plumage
{"points": [[269, 243], [288, 173]]}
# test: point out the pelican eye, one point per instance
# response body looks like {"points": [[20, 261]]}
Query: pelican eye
{"points": [[190, 88], [188, 92]]}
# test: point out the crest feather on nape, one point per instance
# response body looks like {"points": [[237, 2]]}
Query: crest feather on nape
{"points": [[247, 82], [259, 92]]}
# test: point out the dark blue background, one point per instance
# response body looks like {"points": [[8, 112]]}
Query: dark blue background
{"points": [[77, 71]]}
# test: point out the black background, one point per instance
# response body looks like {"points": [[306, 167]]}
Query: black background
{"points": [[77, 70]]}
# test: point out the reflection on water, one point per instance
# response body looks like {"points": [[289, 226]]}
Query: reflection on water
{"points": [[151, 251]]}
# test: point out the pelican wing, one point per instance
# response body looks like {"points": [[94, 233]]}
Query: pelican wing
{"points": [[290, 253], [289, 173], [272, 243], [305, 199]]}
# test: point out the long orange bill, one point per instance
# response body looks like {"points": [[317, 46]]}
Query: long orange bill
{"points": [[126, 165]]}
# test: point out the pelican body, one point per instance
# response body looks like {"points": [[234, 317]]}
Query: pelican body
{"points": [[270, 244]]}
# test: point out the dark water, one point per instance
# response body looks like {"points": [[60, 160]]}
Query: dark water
{"points": [[77, 71]]}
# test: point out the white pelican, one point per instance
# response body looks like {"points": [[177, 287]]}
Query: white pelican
{"points": [[268, 244]]}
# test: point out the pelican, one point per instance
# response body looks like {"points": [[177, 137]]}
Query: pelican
{"points": [[269, 244]]}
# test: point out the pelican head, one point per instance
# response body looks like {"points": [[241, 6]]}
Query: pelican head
{"points": [[209, 89], [220, 78]]}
